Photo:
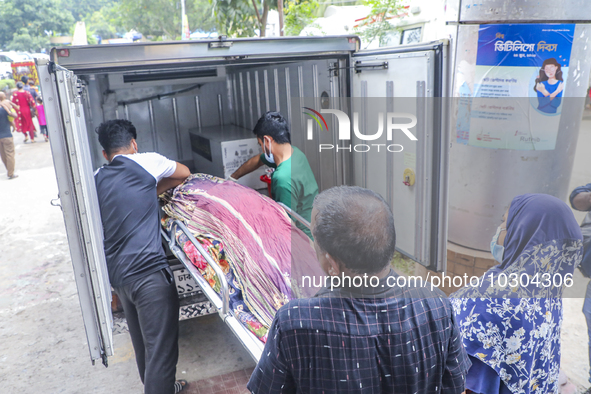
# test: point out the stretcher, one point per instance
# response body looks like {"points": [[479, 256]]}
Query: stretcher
{"points": [[221, 302]]}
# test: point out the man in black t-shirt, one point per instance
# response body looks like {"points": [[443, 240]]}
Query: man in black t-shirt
{"points": [[128, 189]]}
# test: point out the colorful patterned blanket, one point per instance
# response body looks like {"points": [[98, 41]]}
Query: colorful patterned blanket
{"points": [[263, 255]]}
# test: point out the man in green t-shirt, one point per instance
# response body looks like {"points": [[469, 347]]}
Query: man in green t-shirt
{"points": [[293, 182]]}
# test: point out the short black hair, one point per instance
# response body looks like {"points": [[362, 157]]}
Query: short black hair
{"points": [[39, 100], [19, 85], [356, 227], [24, 79], [31, 82], [116, 134], [274, 125]]}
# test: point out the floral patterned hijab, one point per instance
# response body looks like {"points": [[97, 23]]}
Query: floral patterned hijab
{"points": [[515, 328]]}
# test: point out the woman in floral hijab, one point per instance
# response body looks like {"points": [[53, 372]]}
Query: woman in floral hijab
{"points": [[512, 332]]}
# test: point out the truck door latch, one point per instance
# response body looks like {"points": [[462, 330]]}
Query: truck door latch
{"points": [[370, 66], [222, 42], [56, 202]]}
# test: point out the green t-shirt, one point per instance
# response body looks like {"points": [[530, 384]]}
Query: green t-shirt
{"points": [[293, 184]]}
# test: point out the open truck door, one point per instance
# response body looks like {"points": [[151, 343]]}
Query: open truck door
{"points": [[406, 80], [62, 91]]}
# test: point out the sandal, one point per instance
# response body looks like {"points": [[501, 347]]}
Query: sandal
{"points": [[180, 385]]}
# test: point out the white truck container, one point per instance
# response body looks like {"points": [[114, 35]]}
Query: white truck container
{"points": [[169, 89]]}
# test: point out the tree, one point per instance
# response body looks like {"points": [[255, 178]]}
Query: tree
{"points": [[81, 9], [298, 15], [376, 25], [163, 17], [236, 18], [23, 41], [35, 16], [242, 18], [201, 16], [106, 22]]}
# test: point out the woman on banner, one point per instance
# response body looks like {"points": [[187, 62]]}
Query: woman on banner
{"points": [[510, 323], [26, 111], [549, 86]]}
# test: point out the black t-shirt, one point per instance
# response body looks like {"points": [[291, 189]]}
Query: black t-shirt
{"points": [[128, 203], [4, 124]]}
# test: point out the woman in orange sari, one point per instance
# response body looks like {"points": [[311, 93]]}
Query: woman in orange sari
{"points": [[26, 111]]}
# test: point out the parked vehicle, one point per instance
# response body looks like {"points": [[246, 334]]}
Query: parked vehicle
{"points": [[18, 56], [40, 56], [173, 91], [5, 66]]}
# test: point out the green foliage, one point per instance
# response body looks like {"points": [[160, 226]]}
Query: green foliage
{"points": [[299, 14], [377, 25], [163, 17], [403, 265], [236, 18], [23, 41], [105, 22], [82, 9], [6, 84], [202, 16], [36, 17]]}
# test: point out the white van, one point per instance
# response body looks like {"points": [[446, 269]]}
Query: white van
{"points": [[5, 66]]}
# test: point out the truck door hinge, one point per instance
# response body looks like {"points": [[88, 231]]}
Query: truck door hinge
{"points": [[75, 88], [333, 69]]}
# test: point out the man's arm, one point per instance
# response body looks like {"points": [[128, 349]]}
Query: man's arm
{"points": [[457, 363], [9, 108], [251, 165], [580, 198], [180, 174]]}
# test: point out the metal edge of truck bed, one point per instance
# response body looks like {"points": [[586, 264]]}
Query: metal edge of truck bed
{"points": [[92, 57], [252, 344]]}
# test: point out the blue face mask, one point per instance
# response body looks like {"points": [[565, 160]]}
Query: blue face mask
{"points": [[496, 249], [269, 157]]}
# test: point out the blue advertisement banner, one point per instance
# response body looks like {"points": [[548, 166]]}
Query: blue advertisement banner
{"points": [[514, 100], [524, 45]]}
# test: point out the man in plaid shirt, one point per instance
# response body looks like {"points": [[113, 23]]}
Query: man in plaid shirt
{"points": [[373, 338]]}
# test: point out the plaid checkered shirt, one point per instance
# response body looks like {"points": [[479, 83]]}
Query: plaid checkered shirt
{"points": [[388, 341]]}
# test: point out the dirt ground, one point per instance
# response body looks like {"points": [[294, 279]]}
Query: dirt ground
{"points": [[44, 346]]}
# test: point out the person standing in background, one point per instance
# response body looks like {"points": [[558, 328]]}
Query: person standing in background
{"points": [[41, 117], [32, 89], [512, 333], [10, 108], [26, 110], [25, 81], [580, 199], [7, 142]]}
